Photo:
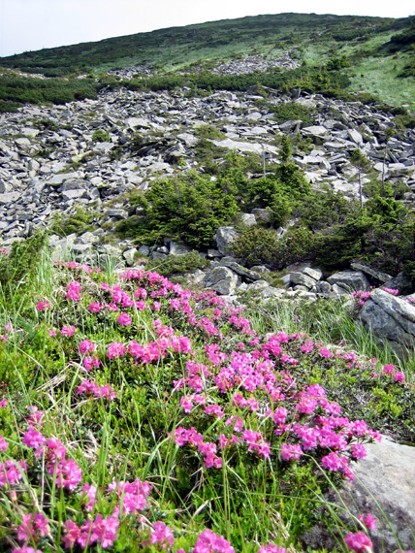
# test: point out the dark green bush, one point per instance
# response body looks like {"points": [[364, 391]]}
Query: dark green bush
{"points": [[178, 264], [17, 269], [100, 135], [189, 208]]}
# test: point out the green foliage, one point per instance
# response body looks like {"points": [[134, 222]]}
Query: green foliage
{"points": [[189, 208], [293, 110], [207, 130], [79, 222], [18, 268], [257, 246], [99, 135], [178, 264], [17, 90]]}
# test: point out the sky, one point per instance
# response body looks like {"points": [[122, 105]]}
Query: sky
{"points": [[35, 24]]}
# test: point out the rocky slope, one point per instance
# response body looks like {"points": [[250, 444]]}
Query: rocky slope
{"points": [[50, 160]]}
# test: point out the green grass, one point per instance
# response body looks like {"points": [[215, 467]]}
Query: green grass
{"points": [[249, 499]]}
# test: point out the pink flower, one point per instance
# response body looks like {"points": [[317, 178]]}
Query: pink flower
{"points": [[272, 548], [34, 525], [392, 291], [325, 353], [388, 369], [209, 542], [116, 350], [124, 319], [291, 451], [90, 362], [358, 542], [86, 346], [42, 305], [399, 376], [3, 444], [68, 330], [72, 534], [91, 493], [95, 307], [358, 451], [161, 535], [368, 520], [73, 291], [332, 462], [34, 439]]}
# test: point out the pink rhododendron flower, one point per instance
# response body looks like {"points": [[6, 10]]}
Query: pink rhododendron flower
{"points": [[332, 462], [291, 451], [124, 319], [86, 346], [399, 376], [368, 520], [272, 548], [73, 291], [90, 362], [161, 535], [33, 525], [3, 444], [359, 542], [116, 350], [43, 305], [358, 451], [91, 493], [392, 291], [209, 542], [95, 307], [68, 330], [11, 472], [388, 369]]}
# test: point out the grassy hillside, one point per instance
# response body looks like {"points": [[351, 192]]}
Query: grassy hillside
{"points": [[375, 54], [118, 385]]}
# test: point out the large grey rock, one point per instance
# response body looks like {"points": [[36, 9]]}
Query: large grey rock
{"points": [[392, 319], [350, 280], [222, 280], [224, 238], [178, 248], [302, 279], [248, 219], [377, 275], [243, 272], [383, 486], [315, 274], [315, 130]]}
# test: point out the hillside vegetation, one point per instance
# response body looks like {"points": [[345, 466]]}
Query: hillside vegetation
{"points": [[138, 415], [337, 53]]}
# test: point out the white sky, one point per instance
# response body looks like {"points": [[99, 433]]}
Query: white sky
{"points": [[35, 24]]}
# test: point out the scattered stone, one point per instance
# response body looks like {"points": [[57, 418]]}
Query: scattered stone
{"points": [[222, 280]]}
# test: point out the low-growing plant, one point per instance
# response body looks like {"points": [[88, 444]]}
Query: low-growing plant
{"points": [[99, 135], [136, 414], [82, 220], [178, 264]]}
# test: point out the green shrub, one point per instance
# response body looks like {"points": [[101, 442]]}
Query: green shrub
{"points": [[79, 222], [17, 269], [293, 110], [100, 135], [257, 246], [189, 208], [178, 264]]}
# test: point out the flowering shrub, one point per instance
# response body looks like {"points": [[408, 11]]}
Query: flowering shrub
{"points": [[153, 402]]}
